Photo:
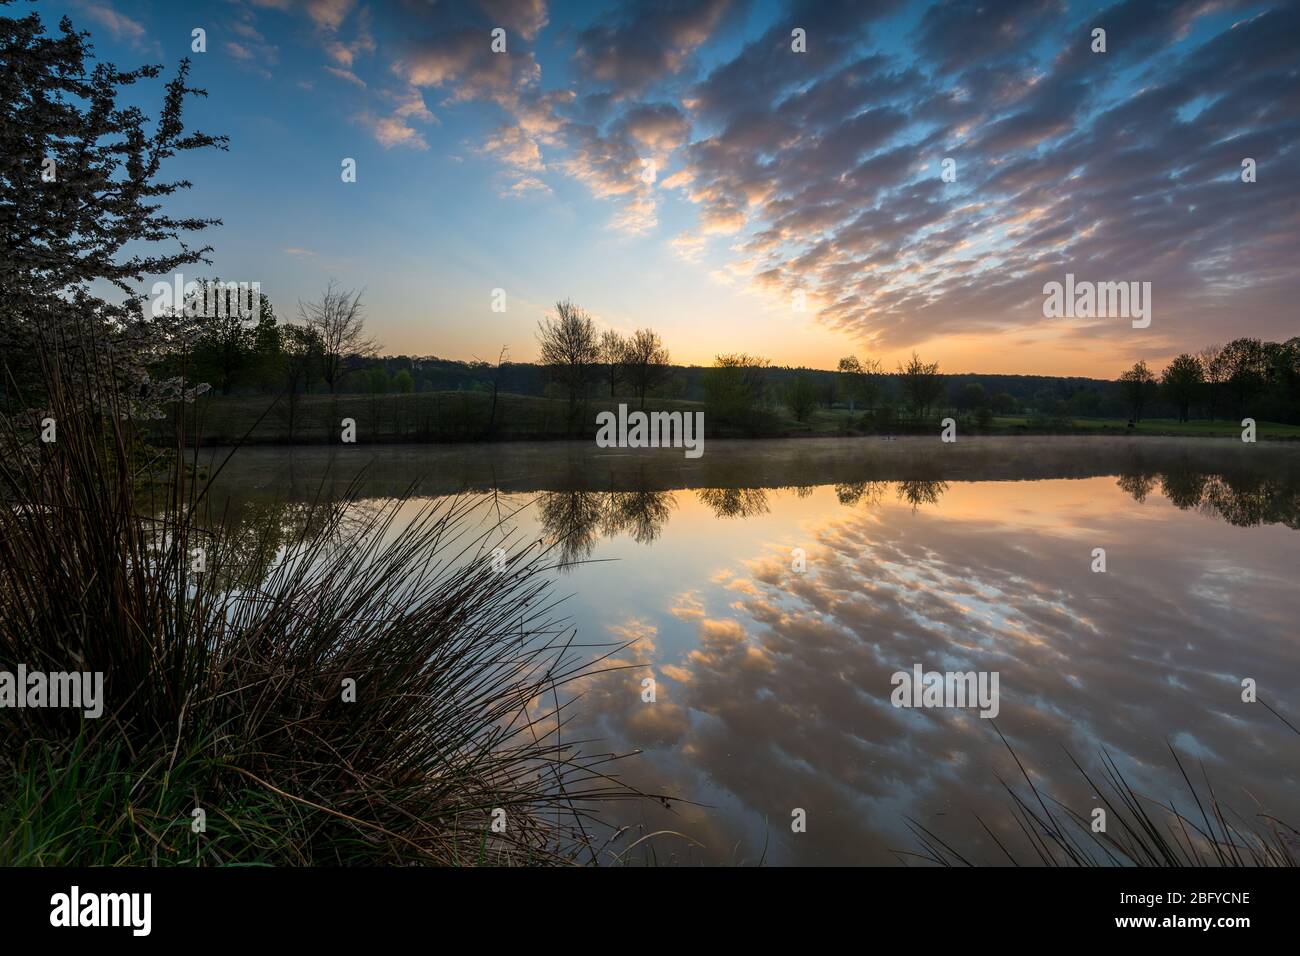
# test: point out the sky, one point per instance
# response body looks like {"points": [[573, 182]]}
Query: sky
{"points": [[681, 166]]}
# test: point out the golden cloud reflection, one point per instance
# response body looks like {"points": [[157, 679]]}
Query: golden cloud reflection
{"points": [[776, 694]]}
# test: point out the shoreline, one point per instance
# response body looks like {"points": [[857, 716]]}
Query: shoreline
{"points": [[521, 466]]}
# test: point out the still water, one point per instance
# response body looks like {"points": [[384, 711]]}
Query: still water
{"points": [[771, 590]]}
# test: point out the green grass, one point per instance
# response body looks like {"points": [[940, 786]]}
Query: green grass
{"points": [[423, 416], [467, 416], [92, 804], [1161, 426]]}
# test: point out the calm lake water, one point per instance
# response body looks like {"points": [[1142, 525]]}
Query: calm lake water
{"points": [[773, 684]]}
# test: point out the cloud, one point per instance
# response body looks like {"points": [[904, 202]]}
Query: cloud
{"points": [[347, 76], [646, 41], [829, 175], [824, 166], [329, 14], [390, 131], [118, 24]]}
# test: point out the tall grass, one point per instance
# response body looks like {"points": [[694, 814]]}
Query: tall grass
{"points": [[224, 690], [1140, 830]]}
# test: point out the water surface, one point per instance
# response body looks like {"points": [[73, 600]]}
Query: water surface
{"points": [[773, 684]]}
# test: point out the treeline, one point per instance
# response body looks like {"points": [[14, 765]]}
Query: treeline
{"points": [[326, 350]]}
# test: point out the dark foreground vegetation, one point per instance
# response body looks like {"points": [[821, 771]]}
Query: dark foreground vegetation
{"points": [[377, 688], [370, 691]]}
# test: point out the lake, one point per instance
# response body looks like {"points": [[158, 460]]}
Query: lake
{"points": [[771, 590]]}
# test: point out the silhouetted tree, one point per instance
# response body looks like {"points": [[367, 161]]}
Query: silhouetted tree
{"points": [[922, 385], [80, 181], [645, 362], [1214, 371], [1139, 387], [1181, 382], [339, 320], [613, 349], [569, 349]]}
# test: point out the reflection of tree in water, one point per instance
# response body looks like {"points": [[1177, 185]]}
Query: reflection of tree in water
{"points": [[641, 514], [570, 519], [921, 491], [1262, 500], [861, 492], [1184, 488], [1244, 500], [576, 520], [1138, 484], [734, 502]]}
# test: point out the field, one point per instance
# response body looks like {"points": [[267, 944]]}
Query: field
{"points": [[469, 416]]}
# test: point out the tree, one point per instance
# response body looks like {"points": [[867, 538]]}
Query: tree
{"points": [[645, 362], [850, 370], [268, 352], [302, 352], [801, 398], [403, 383], [569, 349], [1181, 383], [1086, 402], [1285, 371], [857, 380], [1139, 386], [79, 183], [226, 336], [1004, 403], [971, 396], [613, 348], [496, 383], [1246, 369], [1215, 373], [922, 385], [734, 387], [339, 321]]}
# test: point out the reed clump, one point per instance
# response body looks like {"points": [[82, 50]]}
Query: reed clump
{"points": [[373, 687]]}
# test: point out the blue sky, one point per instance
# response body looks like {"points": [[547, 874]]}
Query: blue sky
{"points": [[774, 172]]}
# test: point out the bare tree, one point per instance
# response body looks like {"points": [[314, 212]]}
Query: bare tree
{"points": [[570, 349], [613, 349], [496, 382], [339, 321], [646, 362]]}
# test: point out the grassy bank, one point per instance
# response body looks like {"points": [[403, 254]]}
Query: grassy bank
{"points": [[422, 417], [472, 416], [367, 687]]}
